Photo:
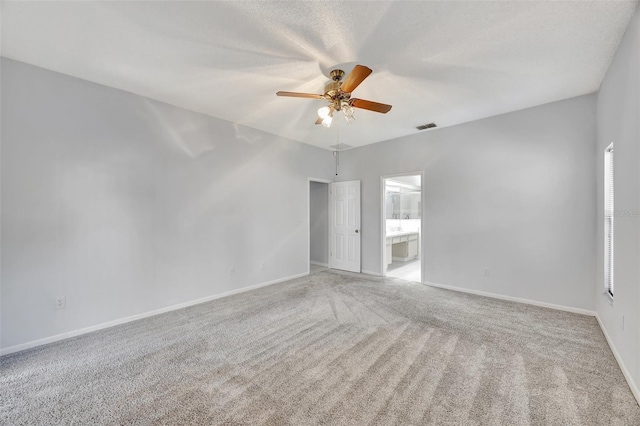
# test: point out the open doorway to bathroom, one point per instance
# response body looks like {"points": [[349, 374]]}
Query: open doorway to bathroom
{"points": [[402, 212]]}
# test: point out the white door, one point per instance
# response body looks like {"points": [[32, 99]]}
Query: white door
{"points": [[345, 226]]}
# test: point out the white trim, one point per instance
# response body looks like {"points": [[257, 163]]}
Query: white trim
{"points": [[632, 386], [108, 324], [515, 299], [383, 228], [625, 372], [376, 274], [313, 262]]}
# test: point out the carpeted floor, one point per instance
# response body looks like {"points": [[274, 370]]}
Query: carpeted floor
{"points": [[331, 348]]}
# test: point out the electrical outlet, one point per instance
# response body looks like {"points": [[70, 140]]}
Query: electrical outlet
{"points": [[263, 266], [233, 270], [60, 302], [486, 272]]}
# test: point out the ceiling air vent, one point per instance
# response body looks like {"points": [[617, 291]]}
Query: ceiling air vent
{"points": [[341, 146], [426, 126]]}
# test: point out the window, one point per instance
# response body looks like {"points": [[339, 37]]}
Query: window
{"points": [[609, 215]]}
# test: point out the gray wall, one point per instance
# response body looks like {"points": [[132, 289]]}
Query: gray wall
{"points": [[618, 118], [319, 222], [126, 205], [514, 193]]}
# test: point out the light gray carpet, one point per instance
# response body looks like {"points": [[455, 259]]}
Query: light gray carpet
{"points": [[331, 348]]}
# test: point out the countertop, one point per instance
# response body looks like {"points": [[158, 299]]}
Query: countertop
{"points": [[400, 233]]}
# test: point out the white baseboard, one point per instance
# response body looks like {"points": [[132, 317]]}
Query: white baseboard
{"points": [[377, 274], [625, 372], [515, 299], [313, 262], [108, 324], [632, 385]]}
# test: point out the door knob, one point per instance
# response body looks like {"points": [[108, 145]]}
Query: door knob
{"points": [[356, 231]]}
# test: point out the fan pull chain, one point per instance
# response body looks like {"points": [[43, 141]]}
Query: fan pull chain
{"points": [[337, 151]]}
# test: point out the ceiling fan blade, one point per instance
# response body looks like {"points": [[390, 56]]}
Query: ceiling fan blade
{"points": [[371, 106], [355, 77], [300, 95], [319, 121]]}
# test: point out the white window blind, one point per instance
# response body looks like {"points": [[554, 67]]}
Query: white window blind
{"points": [[609, 216]]}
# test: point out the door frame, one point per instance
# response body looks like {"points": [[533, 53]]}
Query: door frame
{"points": [[383, 221], [328, 182]]}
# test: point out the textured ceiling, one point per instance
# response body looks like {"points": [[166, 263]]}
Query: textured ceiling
{"points": [[443, 62]]}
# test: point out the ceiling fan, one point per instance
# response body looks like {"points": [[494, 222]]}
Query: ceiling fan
{"points": [[338, 93]]}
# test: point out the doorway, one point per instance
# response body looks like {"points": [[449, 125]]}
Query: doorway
{"points": [[318, 225], [402, 227]]}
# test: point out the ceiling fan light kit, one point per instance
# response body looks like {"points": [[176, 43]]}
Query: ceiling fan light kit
{"points": [[338, 93], [324, 112]]}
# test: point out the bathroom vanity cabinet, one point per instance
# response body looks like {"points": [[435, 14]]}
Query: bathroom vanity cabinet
{"points": [[402, 246]]}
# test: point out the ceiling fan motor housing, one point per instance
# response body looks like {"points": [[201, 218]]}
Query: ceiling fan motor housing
{"points": [[332, 90]]}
